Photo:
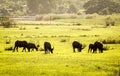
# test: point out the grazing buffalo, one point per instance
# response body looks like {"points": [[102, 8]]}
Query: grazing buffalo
{"points": [[98, 45], [91, 47], [20, 44], [32, 46], [47, 47], [77, 45]]}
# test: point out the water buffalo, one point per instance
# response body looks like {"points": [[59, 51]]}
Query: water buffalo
{"points": [[77, 45], [20, 44], [32, 46], [47, 47], [91, 47], [98, 45]]}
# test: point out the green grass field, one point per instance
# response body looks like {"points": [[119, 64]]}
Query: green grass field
{"points": [[63, 62]]}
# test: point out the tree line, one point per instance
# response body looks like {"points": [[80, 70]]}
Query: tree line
{"points": [[33, 7]]}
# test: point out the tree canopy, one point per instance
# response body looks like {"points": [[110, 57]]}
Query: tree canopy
{"points": [[33, 7], [102, 7]]}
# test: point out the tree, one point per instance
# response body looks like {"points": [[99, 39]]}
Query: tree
{"points": [[3, 12], [102, 7], [33, 6], [6, 22], [46, 6], [72, 9], [11, 7]]}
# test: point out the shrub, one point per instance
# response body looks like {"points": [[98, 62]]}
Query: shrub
{"points": [[63, 40], [110, 41], [109, 21], [83, 46], [41, 49], [53, 36], [91, 16], [38, 17], [6, 22], [106, 48], [22, 28], [36, 27], [8, 48], [47, 17]]}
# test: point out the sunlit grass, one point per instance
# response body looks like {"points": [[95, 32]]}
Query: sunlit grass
{"points": [[63, 62]]}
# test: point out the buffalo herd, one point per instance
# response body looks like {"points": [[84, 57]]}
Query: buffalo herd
{"points": [[48, 49], [92, 47], [31, 46], [97, 45]]}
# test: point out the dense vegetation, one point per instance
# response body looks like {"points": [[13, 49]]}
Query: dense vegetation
{"points": [[103, 7], [30, 7]]}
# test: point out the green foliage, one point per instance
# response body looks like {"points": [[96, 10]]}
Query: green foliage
{"points": [[33, 6], [109, 21], [6, 22], [12, 6], [3, 12], [41, 6], [47, 17], [102, 7], [111, 41], [72, 9]]}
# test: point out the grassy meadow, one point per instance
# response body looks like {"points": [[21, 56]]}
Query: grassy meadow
{"points": [[63, 62]]}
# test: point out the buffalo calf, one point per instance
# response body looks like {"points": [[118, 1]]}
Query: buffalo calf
{"points": [[91, 47], [32, 46], [98, 45]]}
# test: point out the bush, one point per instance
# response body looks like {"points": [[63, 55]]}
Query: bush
{"points": [[47, 17], [6, 22], [110, 41], [41, 49], [8, 48], [36, 27], [91, 16], [106, 48], [83, 46], [109, 21], [22, 28], [63, 40]]}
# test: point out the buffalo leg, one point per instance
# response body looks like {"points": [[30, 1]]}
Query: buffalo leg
{"points": [[24, 49], [73, 49], [79, 49], [17, 49], [94, 50], [51, 51], [45, 51], [101, 50], [14, 49]]}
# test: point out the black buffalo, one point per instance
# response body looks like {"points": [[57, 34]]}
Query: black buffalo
{"points": [[77, 45], [98, 45], [32, 46], [20, 44], [47, 47], [91, 47]]}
